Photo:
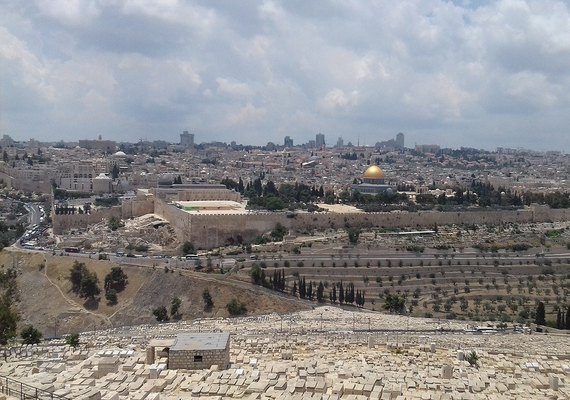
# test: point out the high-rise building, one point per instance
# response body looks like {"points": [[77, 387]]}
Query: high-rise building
{"points": [[400, 140], [320, 141], [288, 142], [187, 139], [339, 143]]}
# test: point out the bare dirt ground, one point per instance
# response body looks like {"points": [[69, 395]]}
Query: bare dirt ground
{"points": [[47, 302]]}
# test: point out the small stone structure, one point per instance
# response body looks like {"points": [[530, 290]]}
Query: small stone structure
{"points": [[200, 351]]}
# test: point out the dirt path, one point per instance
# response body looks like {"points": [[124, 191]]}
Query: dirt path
{"points": [[128, 303], [75, 306]]}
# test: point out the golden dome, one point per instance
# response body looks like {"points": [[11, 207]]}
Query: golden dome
{"points": [[373, 172]]}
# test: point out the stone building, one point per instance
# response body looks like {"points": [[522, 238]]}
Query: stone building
{"points": [[372, 182], [200, 351]]}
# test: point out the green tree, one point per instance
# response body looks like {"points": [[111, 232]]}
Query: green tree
{"points": [[540, 318], [115, 223], [116, 279], [278, 232], [257, 274], [236, 308], [31, 335], [111, 296], [160, 313], [188, 248], [8, 320], [89, 285], [72, 340], [395, 304], [207, 297], [320, 292], [353, 234], [175, 304], [76, 275]]}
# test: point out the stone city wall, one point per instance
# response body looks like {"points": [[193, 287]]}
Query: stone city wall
{"points": [[138, 206], [212, 230], [130, 208], [207, 231], [184, 359], [25, 185], [7, 179], [66, 222]]}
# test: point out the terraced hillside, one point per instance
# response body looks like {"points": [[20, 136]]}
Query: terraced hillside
{"points": [[496, 274]]}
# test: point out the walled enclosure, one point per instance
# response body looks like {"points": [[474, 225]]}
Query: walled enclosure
{"points": [[213, 230], [208, 231]]}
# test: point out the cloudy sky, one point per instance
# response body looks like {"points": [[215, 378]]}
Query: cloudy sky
{"points": [[462, 73]]}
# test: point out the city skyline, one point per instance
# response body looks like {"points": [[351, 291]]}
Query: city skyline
{"points": [[473, 74]]}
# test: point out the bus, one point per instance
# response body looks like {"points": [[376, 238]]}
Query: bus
{"points": [[71, 249]]}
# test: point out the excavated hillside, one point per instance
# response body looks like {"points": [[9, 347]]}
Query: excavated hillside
{"points": [[46, 299]]}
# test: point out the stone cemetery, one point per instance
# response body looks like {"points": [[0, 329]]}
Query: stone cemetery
{"points": [[325, 353]]}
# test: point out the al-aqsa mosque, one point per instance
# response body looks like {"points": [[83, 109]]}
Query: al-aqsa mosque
{"points": [[372, 182]]}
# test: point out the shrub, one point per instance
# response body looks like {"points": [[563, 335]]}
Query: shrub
{"points": [[160, 313], [72, 340], [236, 308], [472, 358], [31, 335]]}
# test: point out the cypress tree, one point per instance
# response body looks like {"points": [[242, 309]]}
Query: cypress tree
{"points": [[568, 318], [559, 319], [340, 294], [320, 292], [540, 314]]}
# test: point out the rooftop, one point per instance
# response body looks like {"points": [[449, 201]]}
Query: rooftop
{"points": [[201, 341]]}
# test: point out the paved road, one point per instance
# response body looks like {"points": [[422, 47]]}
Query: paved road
{"points": [[35, 214]]}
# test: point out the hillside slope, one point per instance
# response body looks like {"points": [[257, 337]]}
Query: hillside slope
{"points": [[47, 302]]}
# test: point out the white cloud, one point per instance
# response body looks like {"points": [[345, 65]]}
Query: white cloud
{"points": [[233, 89], [337, 100], [247, 116], [439, 71]]}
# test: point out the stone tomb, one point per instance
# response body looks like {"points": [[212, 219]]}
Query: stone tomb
{"points": [[200, 351]]}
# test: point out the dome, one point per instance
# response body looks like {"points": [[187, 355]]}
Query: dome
{"points": [[373, 172], [120, 154]]}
